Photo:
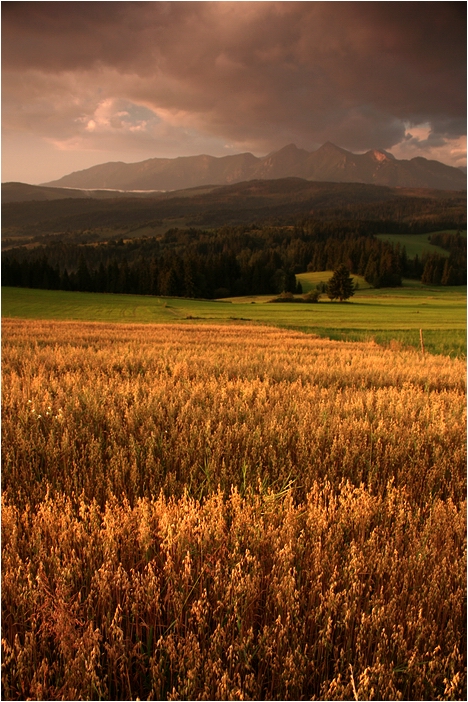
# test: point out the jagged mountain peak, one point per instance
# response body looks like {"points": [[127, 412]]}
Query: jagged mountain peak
{"points": [[289, 148], [328, 163], [288, 151], [380, 155], [328, 146]]}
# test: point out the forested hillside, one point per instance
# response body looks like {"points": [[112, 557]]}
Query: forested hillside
{"points": [[249, 238], [229, 261], [274, 202]]}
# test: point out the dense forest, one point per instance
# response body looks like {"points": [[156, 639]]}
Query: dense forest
{"points": [[247, 238], [230, 260]]}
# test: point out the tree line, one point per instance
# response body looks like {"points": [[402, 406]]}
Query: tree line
{"points": [[243, 260], [206, 272], [443, 270]]}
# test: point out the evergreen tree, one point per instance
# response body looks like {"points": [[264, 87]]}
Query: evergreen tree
{"points": [[447, 275], [340, 286], [189, 287], [101, 278], [83, 277], [65, 283], [170, 284], [371, 273]]}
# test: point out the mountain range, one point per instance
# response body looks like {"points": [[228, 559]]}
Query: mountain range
{"points": [[329, 163]]}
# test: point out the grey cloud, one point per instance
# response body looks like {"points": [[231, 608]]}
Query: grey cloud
{"points": [[261, 73]]}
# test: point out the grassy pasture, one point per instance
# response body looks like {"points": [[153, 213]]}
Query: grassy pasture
{"points": [[416, 244], [386, 316], [309, 281], [229, 512]]}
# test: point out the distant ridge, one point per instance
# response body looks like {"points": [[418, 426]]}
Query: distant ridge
{"points": [[23, 192], [329, 163]]}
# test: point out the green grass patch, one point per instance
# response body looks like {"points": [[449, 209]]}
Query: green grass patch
{"points": [[391, 316], [309, 281], [416, 244]]}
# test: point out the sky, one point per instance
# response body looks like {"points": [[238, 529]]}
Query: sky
{"points": [[85, 83]]}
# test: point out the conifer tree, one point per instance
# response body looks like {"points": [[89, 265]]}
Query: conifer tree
{"points": [[340, 286]]}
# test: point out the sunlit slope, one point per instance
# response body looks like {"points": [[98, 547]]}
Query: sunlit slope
{"points": [[309, 281], [417, 244]]}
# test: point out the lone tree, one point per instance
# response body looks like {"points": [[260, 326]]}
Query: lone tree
{"points": [[340, 286]]}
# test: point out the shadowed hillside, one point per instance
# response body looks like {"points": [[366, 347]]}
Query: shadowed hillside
{"points": [[280, 201]]}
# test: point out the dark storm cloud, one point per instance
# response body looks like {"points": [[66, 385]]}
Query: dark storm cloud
{"points": [[59, 36], [259, 74]]}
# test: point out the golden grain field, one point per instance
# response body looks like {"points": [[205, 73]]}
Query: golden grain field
{"points": [[224, 512]]}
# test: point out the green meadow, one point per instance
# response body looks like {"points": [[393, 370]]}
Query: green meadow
{"points": [[309, 281], [417, 244], [387, 316]]}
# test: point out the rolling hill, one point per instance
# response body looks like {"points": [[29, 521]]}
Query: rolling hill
{"points": [[23, 192], [282, 201]]}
